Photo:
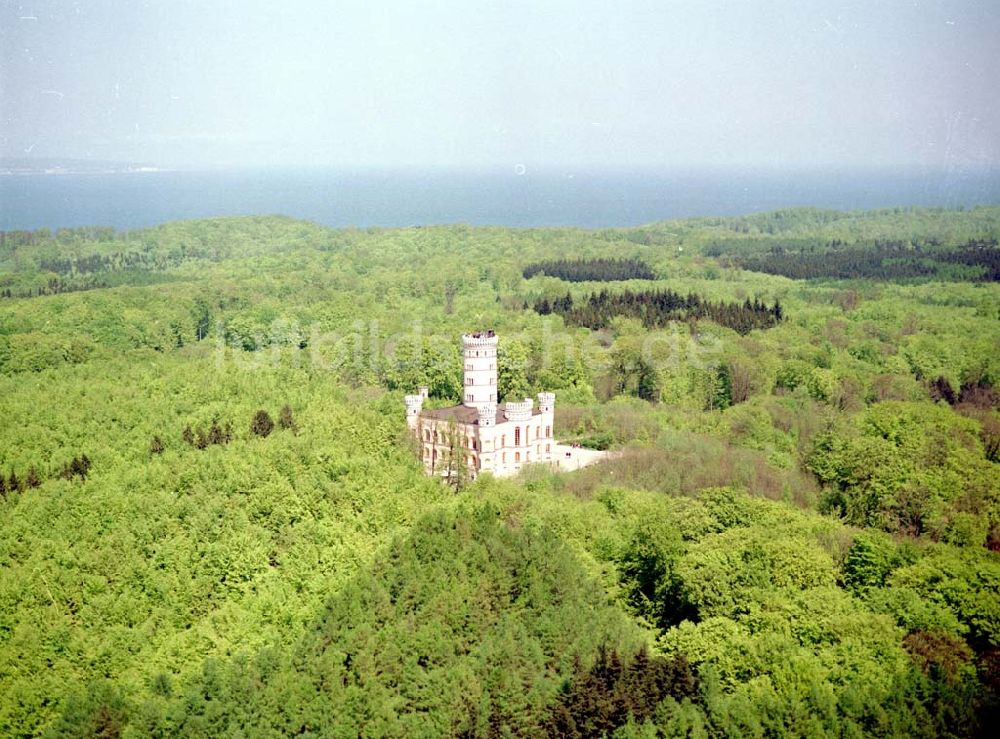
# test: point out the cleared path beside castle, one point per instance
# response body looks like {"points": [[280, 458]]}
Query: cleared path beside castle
{"points": [[574, 457]]}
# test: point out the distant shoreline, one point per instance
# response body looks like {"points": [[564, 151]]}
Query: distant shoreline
{"points": [[61, 166], [60, 171], [72, 195]]}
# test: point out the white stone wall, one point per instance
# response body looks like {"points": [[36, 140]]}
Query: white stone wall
{"points": [[503, 449], [436, 444], [519, 443]]}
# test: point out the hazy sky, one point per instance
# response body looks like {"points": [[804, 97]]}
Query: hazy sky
{"points": [[782, 83]]}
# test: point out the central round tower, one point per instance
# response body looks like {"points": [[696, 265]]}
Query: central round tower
{"points": [[480, 362]]}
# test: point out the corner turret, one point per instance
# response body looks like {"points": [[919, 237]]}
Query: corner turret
{"points": [[546, 402], [487, 414], [414, 404]]}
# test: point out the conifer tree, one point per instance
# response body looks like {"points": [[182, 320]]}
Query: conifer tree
{"points": [[262, 425], [32, 480], [77, 467], [940, 389], [215, 435], [286, 420]]}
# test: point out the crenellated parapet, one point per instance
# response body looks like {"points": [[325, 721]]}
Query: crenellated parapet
{"points": [[487, 414], [520, 411], [479, 339], [547, 402], [414, 404]]}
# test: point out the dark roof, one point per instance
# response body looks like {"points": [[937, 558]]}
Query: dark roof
{"points": [[466, 415], [457, 413]]}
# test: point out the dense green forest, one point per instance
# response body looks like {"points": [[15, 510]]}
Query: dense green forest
{"points": [[213, 521]]}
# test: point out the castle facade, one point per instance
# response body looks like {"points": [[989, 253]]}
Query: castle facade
{"points": [[481, 434]]}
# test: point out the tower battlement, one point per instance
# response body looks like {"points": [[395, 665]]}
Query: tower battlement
{"points": [[520, 411], [479, 338], [488, 414], [546, 402], [414, 404]]}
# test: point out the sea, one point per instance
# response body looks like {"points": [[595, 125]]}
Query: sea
{"points": [[517, 196]]}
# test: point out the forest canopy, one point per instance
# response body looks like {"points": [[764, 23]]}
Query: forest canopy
{"points": [[213, 522]]}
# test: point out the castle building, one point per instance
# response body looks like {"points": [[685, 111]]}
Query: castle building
{"points": [[480, 433]]}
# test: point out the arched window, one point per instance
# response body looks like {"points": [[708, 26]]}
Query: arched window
{"points": [[517, 456], [427, 434], [503, 458], [548, 449], [503, 440], [517, 436], [548, 431]]}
